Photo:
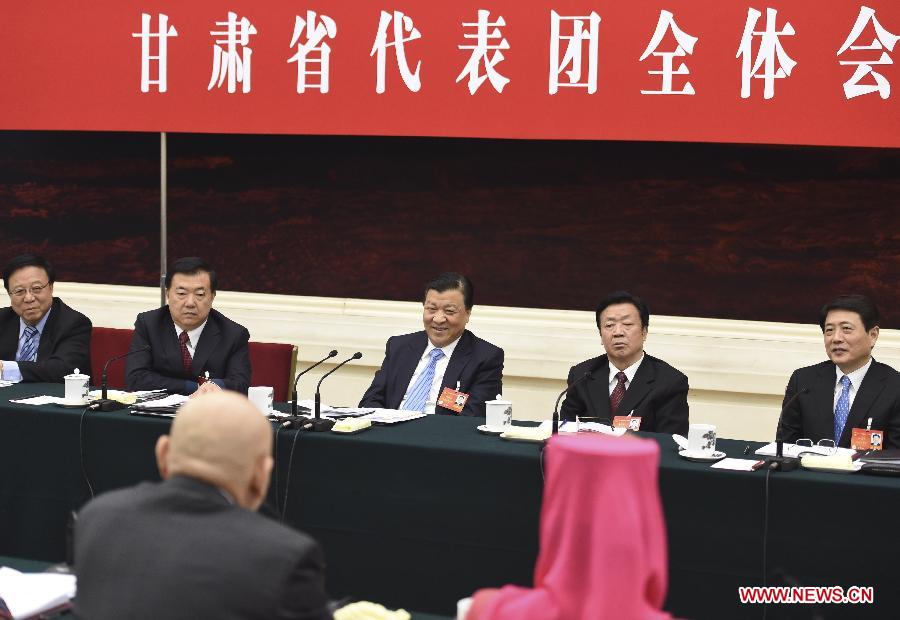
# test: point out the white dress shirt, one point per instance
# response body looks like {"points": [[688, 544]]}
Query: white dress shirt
{"points": [[856, 379], [439, 369], [193, 337], [629, 374]]}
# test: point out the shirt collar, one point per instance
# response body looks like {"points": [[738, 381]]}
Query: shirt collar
{"points": [[39, 326], [856, 377], [193, 335], [629, 372], [448, 349]]}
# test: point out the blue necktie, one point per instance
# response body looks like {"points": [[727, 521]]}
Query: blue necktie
{"points": [[842, 409], [29, 349], [418, 394]]}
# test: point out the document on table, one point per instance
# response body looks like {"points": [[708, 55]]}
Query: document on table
{"points": [[590, 427], [793, 450], [735, 464], [172, 400], [308, 406], [41, 400], [27, 595], [392, 416]]}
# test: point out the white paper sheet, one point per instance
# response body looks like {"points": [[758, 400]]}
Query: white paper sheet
{"points": [[735, 464], [29, 594]]}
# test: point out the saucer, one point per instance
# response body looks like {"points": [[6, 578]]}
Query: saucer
{"points": [[702, 456], [490, 430]]}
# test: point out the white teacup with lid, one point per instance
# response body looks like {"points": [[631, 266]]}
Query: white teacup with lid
{"points": [[77, 387], [498, 413]]}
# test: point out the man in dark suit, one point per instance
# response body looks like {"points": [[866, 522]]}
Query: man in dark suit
{"points": [[626, 380], [418, 367], [188, 339], [41, 338], [849, 391], [193, 546]]}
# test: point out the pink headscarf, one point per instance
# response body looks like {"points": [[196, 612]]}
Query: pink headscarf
{"points": [[603, 540]]}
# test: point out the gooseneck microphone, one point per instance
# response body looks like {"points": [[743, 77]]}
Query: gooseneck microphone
{"points": [[105, 404], [319, 424], [297, 379], [586, 375], [779, 462]]}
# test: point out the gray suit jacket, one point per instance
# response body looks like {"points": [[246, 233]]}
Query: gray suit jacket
{"points": [[180, 550]]}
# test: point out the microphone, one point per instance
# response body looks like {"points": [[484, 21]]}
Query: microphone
{"points": [[779, 462], [318, 424], [586, 375], [297, 379], [105, 404]]}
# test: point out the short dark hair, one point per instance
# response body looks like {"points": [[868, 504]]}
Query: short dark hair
{"points": [[191, 265], [28, 260], [452, 281], [624, 297], [860, 304]]}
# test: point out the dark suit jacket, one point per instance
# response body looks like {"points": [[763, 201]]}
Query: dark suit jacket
{"points": [[811, 416], [65, 344], [180, 549], [658, 393], [475, 363], [222, 350]]}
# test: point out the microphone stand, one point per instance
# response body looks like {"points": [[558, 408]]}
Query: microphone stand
{"points": [[555, 429], [779, 462], [105, 403], [320, 424], [297, 380]]}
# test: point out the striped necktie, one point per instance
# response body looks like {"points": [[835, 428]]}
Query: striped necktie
{"points": [[842, 410], [418, 395], [29, 349]]}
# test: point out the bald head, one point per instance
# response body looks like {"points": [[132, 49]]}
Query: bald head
{"points": [[222, 439]]}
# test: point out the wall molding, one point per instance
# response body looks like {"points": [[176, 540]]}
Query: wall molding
{"points": [[737, 369]]}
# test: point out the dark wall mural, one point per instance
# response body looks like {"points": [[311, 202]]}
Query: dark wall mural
{"points": [[713, 230]]}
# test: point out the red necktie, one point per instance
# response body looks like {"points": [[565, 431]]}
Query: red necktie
{"points": [[185, 354], [618, 393]]}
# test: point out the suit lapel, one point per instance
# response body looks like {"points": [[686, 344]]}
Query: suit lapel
{"points": [[822, 395], [171, 350], [458, 361], [598, 390], [9, 339], [48, 336], [406, 366], [209, 340], [872, 385], [639, 388]]}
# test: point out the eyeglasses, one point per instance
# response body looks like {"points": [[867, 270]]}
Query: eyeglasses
{"points": [[35, 290], [828, 447]]}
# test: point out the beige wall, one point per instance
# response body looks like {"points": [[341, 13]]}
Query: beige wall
{"points": [[737, 369]]}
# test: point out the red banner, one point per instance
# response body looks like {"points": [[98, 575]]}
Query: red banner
{"points": [[782, 71]]}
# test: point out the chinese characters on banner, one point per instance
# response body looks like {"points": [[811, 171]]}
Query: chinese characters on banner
{"points": [[779, 71], [761, 50]]}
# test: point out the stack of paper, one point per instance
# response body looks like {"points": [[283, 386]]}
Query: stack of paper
{"points": [[31, 594]]}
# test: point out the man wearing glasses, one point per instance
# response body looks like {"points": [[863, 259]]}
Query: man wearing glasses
{"points": [[192, 347], [41, 338], [850, 391]]}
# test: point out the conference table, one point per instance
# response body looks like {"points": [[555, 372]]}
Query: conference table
{"points": [[420, 514]]}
